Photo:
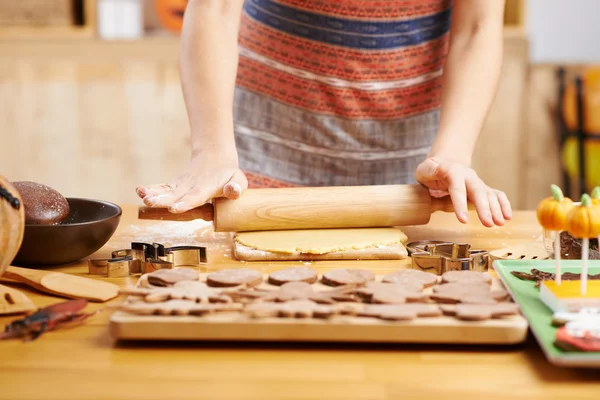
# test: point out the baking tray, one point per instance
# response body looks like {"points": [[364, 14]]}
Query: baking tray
{"points": [[526, 295], [239, 327]]}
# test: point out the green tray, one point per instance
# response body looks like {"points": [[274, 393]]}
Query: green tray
{"points": [[526, 295]]}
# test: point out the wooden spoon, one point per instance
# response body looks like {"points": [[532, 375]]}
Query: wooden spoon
{"points": [[14, 302], [63, 285]]}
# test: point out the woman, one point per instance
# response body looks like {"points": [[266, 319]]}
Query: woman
{"points": [[337, 92]]}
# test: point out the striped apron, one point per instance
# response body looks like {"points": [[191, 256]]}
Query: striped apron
{"points": [[338, 92]]}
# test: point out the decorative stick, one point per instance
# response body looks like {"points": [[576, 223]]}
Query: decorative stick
{"points": [[557, 256], [585, 251]]}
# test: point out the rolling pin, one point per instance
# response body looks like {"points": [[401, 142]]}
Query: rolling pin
{"points": [[314, 208]]}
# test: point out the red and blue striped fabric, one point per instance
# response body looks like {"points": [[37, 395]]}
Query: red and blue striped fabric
{"points": [[340, 92]]}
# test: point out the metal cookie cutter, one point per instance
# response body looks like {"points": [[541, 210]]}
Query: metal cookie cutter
{"points": [[144, 258], [439, 257]]}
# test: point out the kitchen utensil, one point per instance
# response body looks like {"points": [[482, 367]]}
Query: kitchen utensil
{"points": [[12, 223], [439, 257], [13, 301], [90, 224], [528, 251], [63, 285], [145, 258], [314, 207]]}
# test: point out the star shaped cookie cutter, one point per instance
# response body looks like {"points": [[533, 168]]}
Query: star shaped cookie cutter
{"points": [[144, 258], [439, 257]]}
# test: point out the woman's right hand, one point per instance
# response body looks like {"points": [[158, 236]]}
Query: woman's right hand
{"points": [[209, 174]]}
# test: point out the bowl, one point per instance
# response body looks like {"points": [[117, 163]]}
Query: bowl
{"points": [[90, 224]]}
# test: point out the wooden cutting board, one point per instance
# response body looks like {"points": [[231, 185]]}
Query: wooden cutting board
{"points": [[238, 327]]}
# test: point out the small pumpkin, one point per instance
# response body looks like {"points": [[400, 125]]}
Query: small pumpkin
{"points": [[583, 221], [12, 223], [552, 211]]}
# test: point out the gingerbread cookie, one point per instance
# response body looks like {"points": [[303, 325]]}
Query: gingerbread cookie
{"points": [[168, 277], [292, 291], [234, 277], [391, 293], [475, 293], [345, 276], [400, 312], [466, 277], [295, 274], [480, 312], [412, 276], [177, 307], [296, 309], [184, 290]]}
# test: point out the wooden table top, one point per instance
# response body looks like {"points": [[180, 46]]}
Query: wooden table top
{"points": [[83, 362]]}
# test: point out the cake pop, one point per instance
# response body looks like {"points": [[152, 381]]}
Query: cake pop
{"points": [[552, 215], [583, 222]]}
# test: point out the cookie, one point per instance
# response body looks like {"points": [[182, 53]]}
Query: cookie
{"points": [[400, 312], [168, 277], [466, 277], [411, 276], [177, 307], [480, 312], [234, 277], [293, 291], [345, 276], [475, 293], [295, 274], [295, 309], [184, 290], [43, 205], [391, 293]]}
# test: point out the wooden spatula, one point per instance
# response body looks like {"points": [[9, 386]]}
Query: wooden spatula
{"points": [[14, 302], [528, 251], [63, 285]]}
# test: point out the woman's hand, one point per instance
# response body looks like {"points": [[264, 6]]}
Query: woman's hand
{"points": [[209, 174], [463, 185]]}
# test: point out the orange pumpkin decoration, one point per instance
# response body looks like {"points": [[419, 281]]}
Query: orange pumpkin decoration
{"points": [[591, 102], [170, 13], [12, 223], [583, 221], [552, 211]]}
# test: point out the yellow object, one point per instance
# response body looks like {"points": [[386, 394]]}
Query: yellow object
{"points": [[552, 211], [570, 289], [583, 221], [570, 157], [567, 296], [591, 102], [320, 241]]}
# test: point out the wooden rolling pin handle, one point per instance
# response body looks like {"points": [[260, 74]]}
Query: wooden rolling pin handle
{"points": [[205, 212]]}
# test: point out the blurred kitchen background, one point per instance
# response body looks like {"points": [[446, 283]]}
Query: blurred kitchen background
{"points": [[91, 104]]}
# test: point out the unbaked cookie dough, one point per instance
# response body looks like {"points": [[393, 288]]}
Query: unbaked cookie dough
{"points": [[321, 241]]}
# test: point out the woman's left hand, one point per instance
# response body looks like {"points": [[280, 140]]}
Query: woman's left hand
{"points": [[461, 182]]}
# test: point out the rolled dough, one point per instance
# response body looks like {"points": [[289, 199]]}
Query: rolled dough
{"points": [[321, 241]]}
